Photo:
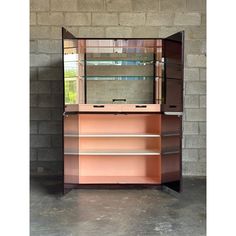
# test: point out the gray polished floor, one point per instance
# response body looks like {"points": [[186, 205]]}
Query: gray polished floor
{"points": [[133, 212]]}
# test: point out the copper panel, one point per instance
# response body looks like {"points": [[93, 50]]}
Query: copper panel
{"points": [[119, 180], [71, 124], [111, 168], [99, 107], [71, 169], [120, 123], [119, 107], [141, 107], [113, 144]]}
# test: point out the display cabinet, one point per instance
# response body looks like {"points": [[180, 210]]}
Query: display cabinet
{"points": [[123, 101]]}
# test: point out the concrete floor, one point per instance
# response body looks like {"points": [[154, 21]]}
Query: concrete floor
{"points": [[134, 212]]}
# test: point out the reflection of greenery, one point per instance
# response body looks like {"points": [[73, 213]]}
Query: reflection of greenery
{"points": [[70, 86], [70, 73], [70, 91]]}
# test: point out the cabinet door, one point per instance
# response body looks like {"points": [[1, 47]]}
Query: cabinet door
{"points": [[171, 145], [172, 48], [71, 151], [73, 54]]}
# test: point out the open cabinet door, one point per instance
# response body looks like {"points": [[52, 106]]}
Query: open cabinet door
{"points": [[171, 156], [66, 36], [173, 53]]}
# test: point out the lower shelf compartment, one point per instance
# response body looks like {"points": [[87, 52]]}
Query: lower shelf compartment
{"points": [[104, 169], [118, 180]]}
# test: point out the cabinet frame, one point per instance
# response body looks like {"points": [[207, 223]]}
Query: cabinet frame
{"points": [[175, 184]]}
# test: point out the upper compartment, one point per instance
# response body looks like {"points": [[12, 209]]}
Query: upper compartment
{"points": [[99, 74]]}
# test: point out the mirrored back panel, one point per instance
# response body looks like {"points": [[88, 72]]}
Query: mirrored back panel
{"points": [[109, 71]]}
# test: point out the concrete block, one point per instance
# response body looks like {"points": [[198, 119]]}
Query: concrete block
{"points": [[202, 127], [195, 141], [39, 5], [50, 127], [33, 46], [78, 18], [33, 154], [191, 74], [62, 5], [33, 20], [195, 5], [90, 5], [40, 114], [203, 101], [56, 60], [202, 74], [193, 87], [45, 168], [56, 114], [119, 5], [33, 127], [190, 128], [33, 73], [49, 154], [187, 18], [196, 32], [49, 73], [191, 101], [148, 31], [132, 19], [196, 60], [98, 32], [46, 100], [202, 154], [203, 21], [49, 46], [56, 141], [160, 19], [195, 114], [55, 32], [118, 32], [39, 32], [33, 100], [39, 60], [190, 155], [195, 46], [40, 87], [37, 141], [57, 87], [55, 18], [194, 168], [172, 5], [145, 6], [104, 19]]}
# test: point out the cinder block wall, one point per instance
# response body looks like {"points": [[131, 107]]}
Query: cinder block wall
{"points": [[112, 18]]}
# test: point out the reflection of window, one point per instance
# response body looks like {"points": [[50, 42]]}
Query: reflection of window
{"points": [[71, 73]]}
